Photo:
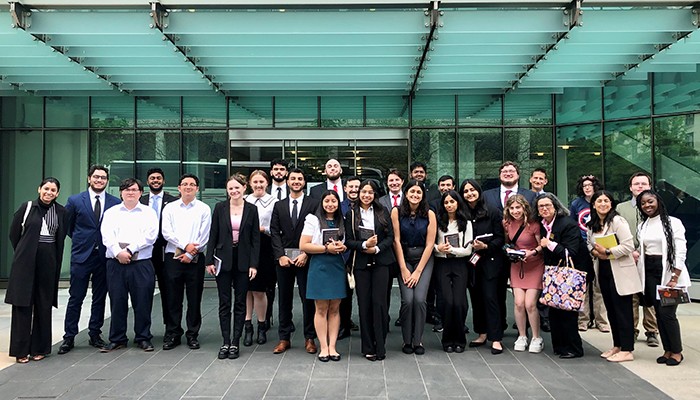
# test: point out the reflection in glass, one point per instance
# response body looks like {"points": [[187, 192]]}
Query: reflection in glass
{"points": [[479, 109], [250, 112], [433, 110], [480, 155], [158, 149], [387, 111], [530, 148], [578, 105], [204, 154], [112, 112], [209, 112], [21, 112], [578, 153], [627, 98], [627, 150], [339, 112], [115, 150], [66, 112], [312, 156], [436, 148], [375, 157], [161, 112], [528, 109], [291, 112], [676, 92]]}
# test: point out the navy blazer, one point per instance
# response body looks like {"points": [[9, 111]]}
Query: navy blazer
{"points": [[221, 237], [283, 233], [493, 196], [83, 229]]}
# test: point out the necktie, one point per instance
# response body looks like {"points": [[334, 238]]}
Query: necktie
{"points": [[279, 193], [335, 187], [508, 192], [155, 207], [295, 212], [396, 200], [98, 208]]}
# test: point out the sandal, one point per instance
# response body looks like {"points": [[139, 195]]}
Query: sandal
{"points": [[23, 360]]}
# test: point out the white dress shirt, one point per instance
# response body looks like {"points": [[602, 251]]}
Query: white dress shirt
{"points": [[102, 201], [398, 199], [300, 201], [264, 205], [367, 217], [312, 227], [185, 224], [138, 227], [339, 185], [513, 192], [283, 191]]}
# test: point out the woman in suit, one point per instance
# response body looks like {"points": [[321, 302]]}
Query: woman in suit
{"points": [[559, 234], [662, 248], [235, 240], [618, 276], [371, 259], [37, 234], [326, 279], [486, 220], [414, 238]]}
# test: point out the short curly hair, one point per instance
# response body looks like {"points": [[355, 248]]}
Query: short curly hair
{"points": [[597, 184]]}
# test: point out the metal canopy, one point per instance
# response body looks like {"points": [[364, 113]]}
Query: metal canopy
{"points": [[541, 47]]}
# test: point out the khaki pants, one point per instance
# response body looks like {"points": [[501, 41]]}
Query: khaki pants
{"points": [[601, 314], [649, 321]]}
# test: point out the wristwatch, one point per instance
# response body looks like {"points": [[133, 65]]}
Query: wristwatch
{"points": [[607, 252]]}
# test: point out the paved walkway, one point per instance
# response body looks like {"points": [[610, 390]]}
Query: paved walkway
{"points": [[181, 373]]}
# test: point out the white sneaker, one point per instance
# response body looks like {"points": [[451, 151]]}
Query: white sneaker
{"points": [[536, 345], [520, 344]]}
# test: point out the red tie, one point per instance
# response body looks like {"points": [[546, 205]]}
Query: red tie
{"points": [[396, 198], [335, 187], [508, 192]]}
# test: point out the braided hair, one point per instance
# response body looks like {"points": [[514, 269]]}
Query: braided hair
{"points": [[665, 222]]}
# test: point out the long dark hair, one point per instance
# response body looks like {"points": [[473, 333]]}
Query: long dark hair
{"points": [[337, 215], [665, 222], [480, 210], [379, 210], [595, 224], [405, 207], [461, 215]]}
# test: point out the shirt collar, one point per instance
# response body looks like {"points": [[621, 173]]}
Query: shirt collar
{"points": [[514, 189], [93, 194]]}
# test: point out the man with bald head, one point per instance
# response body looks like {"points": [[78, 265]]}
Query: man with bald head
{"points": [[333, 182]]}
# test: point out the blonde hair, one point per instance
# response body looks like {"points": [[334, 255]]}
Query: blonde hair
{"points": [[259, 172], [520, 199], [240, 178]]}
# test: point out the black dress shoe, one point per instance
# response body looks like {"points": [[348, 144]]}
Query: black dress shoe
{"points": [[662, 360], [371, 358], [449, 349], [568, 355], [193, 344], [145, 345], [397, 322], [672, 362], [476, 344], [170, 343], [544, 325], [96, 341], [233, 352], [419, 350], [459, 349], [66, 346], [354, 327], [112, 347], [381, 357], [343, 333], [223, 352], [324, 358], [335, 357], [496, 351], [407, 349]]}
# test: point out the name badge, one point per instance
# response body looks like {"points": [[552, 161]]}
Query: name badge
{"points": [[474, 259], [551, 236]]}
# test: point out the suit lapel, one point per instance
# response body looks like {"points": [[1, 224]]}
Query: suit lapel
{"points": [[227, 217], [88, 206]]}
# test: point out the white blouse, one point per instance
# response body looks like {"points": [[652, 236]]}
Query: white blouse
{"points": [[463, 237], [265, 205], [312, 227]]}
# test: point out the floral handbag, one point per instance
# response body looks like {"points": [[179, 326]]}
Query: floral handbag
{"points": [[564, 287]]}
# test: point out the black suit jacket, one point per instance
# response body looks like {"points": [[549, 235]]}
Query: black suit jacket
{"points": [[567, 234], [385, 241], [166, 199], [270, 187], [221, 237], [317, 191], [491, 260], [493, 196], [282, 232]]}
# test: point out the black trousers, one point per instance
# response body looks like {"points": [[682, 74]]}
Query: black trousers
{"points": [[30, 333], [433, 299], [371, 288], [669, 328], [503, 293], [619, 308], [136, 281], [187, 279], [239, 281], [158, 262], [485, 309], [93, 269], [565, 336], [345, 309], [285, 285], [451, 277]]}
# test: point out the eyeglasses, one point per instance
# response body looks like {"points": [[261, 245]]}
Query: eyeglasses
{"points": [[587, 185], [131, 190], [194, 185], [508, 171], [367, 192], [545, 206], [100, 177]]}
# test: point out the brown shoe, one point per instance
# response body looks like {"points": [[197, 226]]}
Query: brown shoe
{"points": [[311, 346], [282, 346]]}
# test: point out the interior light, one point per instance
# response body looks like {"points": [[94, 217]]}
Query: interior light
{"points": [[540, 154], [281, 9], [565, 147], [596, 153]]}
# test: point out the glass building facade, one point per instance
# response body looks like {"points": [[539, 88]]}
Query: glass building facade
{"points": [[651, 125]]}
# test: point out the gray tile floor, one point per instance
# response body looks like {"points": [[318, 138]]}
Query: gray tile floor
{"points": [[181, 373]]}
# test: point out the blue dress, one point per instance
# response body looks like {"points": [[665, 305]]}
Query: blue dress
{"points": [[326, 279]]}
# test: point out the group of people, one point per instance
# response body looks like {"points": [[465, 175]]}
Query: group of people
{"points": [[339, 240]]}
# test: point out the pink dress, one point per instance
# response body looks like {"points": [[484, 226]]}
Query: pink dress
{"points": [[531, 271]]}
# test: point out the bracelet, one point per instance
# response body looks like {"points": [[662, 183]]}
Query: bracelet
{"points": [[536, 251], [326, 248]]}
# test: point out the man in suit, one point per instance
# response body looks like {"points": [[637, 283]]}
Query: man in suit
{"points": [[285, 230], [333, 182], [445, 183], [419, 172], [538, 180], [509, 174], [352, 189], [278, 188], [88, 260], [394, 181], [157, 199]]}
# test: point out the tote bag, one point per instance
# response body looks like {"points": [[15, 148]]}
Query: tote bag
{"points": [[564, 287]]}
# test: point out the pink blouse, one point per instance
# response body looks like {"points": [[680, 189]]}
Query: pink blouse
{"points": [[236, 226]]}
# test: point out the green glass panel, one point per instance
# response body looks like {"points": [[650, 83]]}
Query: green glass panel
{"points": [[66, 112], [21, 112], [112, 112], [627, 98], [436, 148], [530, 148], [627, 150], [157, 148], [296, 112], [337, 112], [387, 111], [479, 109], [376, 157], [158, 112], [480, 155], [677, 141], [578, 153], [579, 105], [203, 112], [250, 112], [676, 92], [67, 160], [528, 109], [429, 110], [115, 150], [21, 164], [205, 155]]}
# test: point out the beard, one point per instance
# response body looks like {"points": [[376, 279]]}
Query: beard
{"points": [[279, 180], [155, 189], [333, 177]]}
